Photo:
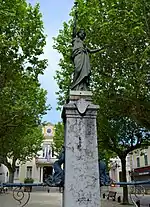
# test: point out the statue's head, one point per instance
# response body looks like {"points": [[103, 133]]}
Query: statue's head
{"points": [[81, 34]]}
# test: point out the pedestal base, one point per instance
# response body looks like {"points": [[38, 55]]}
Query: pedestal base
{"points": [[81, 155]]}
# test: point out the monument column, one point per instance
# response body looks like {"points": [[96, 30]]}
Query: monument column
{"points": [[81, 152]]}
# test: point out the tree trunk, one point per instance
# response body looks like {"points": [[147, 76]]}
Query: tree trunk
{"points": [[11, 176], [124, 179], [11, 167]]}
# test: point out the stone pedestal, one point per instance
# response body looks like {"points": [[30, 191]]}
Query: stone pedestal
{"points": [[81, 152]]}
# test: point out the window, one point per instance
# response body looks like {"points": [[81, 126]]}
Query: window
{"points": [[128, 159], [16, 175], [53, 153], [138, 162], [43, 152], [145, 159], [29, 172], [40, 176], [46, 151]]}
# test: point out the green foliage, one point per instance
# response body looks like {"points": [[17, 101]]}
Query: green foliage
{"points": [[22, 100], [24, 146], [28, 180], [21, 44], [120, 73], [122, 135], [63, 76], [105, 154], [58, 138]]}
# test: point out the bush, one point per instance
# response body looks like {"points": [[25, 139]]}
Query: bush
{"points": [[28, 180]]}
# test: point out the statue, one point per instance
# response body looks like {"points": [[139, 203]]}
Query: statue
{"points": [[57, 179], [80, 57], [103, 175]]}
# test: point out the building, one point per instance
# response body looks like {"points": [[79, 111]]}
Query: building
{"points": [[4, 174], [140, 165], [116, 171], [40, 166]]}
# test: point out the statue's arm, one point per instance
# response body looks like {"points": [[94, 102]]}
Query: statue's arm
{"points": [[74, 29], [94, 50], [75, 22]]}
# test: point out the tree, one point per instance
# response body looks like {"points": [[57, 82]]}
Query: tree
{"points": [[20, 136], [122, 136], [22, 101], [120, 73], [105, 154], [58, 138], [21, 43], [23, 148]]}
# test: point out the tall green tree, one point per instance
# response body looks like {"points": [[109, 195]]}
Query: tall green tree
{"points": [[122, 135], [22, 101], [27, 107], [21, 43], [120, 73], [21, 149], [58, 138]]}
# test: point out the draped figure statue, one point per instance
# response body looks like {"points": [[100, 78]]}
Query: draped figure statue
{"points": [[103, 175], [80, 57], [57, 179]]}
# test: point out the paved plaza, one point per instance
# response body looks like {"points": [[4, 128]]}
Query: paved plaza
{"points": [[54, 199], [37, 199], [43, 199]]}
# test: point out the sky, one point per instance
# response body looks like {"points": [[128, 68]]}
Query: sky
{"points": [[54, 12]]}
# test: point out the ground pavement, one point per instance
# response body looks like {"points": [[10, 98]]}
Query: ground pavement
{"points": [[145, 200], [110, 203], [44, 199]]}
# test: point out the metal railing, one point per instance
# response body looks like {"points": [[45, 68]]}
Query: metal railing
{"points": [[19, 193], [136, 188]]}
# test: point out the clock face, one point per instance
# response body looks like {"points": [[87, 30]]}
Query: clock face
{"points": [[49, 131]]}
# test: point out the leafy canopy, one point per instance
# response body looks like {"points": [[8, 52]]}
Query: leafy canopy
{"points": [[22, 100], [120, 73]]}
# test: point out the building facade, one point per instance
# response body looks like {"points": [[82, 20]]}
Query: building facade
{"points": [[4, 174], [40, 166], [116, 170], [140, 165]]}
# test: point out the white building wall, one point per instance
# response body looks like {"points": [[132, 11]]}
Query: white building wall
{"points": [[140, 154], [115, 168], [4, 174], [44, 158]]}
